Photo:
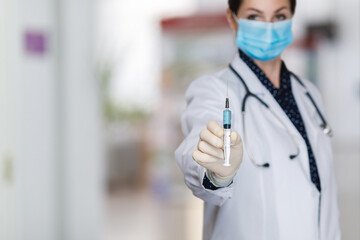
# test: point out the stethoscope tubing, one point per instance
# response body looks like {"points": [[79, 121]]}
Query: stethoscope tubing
{"points": [[324, 125]]}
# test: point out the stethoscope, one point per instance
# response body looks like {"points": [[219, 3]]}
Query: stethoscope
{"points": [[324, 125]]}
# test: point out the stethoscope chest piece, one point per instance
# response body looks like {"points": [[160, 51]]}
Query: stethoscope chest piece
{"points": [[327, 129]]}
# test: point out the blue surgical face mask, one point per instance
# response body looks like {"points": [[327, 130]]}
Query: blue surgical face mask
{"points": [[263, 40]]}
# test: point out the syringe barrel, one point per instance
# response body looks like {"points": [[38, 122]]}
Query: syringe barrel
{"points": [[227, 119]]}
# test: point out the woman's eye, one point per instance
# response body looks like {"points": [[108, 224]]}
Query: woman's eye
{"points": [[280, 17], [252, 17]]}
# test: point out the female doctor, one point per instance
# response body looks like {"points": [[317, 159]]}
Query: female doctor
{"points": [[281, 183]]}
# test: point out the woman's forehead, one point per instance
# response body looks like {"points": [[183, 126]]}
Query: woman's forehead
{"points": [[264, 5]]}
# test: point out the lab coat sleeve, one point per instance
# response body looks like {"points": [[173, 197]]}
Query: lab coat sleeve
{"points": [[203, 99]]}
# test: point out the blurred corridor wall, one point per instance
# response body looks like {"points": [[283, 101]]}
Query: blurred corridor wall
{"points": [[9, 58], [50, 122], [81, 123]]}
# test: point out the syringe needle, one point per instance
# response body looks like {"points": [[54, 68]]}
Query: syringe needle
{"points": [[227, 88]]}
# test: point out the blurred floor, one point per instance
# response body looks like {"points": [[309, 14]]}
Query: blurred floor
{"points": [[139, 214], [347, 164]]}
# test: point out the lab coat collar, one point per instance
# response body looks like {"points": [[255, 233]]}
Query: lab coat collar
{"points": [[260, 90], [252, 80], [285, 84], [256, 87]]}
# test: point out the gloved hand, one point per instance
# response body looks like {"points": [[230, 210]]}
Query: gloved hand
{"points": [[210, 154]]}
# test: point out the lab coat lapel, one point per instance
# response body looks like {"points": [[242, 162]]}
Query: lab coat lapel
{"points": [[260, 90], [309, 115], [274, 105], [307, 111]]}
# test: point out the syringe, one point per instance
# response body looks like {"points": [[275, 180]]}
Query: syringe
{"points": [[227, 131]]}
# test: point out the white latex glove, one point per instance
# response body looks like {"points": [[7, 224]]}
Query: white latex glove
{"points": [[210, 154]]}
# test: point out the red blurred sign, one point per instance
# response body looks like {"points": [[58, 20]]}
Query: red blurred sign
{"points": [[195, 22]]}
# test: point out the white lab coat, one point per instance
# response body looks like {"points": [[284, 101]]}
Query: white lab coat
{"points": [[276, 203]]}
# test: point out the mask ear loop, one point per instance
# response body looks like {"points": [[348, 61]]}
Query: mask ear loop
{"points": [[237, 21], [234, 16]]}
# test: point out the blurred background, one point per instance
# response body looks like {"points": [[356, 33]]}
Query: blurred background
{"points": [[91, 94]]}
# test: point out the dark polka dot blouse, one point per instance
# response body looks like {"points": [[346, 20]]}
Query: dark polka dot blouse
{"points": [[286, 100]]}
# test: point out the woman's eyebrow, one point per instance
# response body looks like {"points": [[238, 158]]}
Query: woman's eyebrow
{"points": [[281, 9], [254, 9]]}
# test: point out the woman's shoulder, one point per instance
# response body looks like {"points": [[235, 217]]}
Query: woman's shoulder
{"points": [[222, 82], [219, 79], [212, 81], [214, 88], [204, 86], [211, 78]]}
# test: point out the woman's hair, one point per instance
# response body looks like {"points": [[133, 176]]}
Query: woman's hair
{"points": [[234, 5]]}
